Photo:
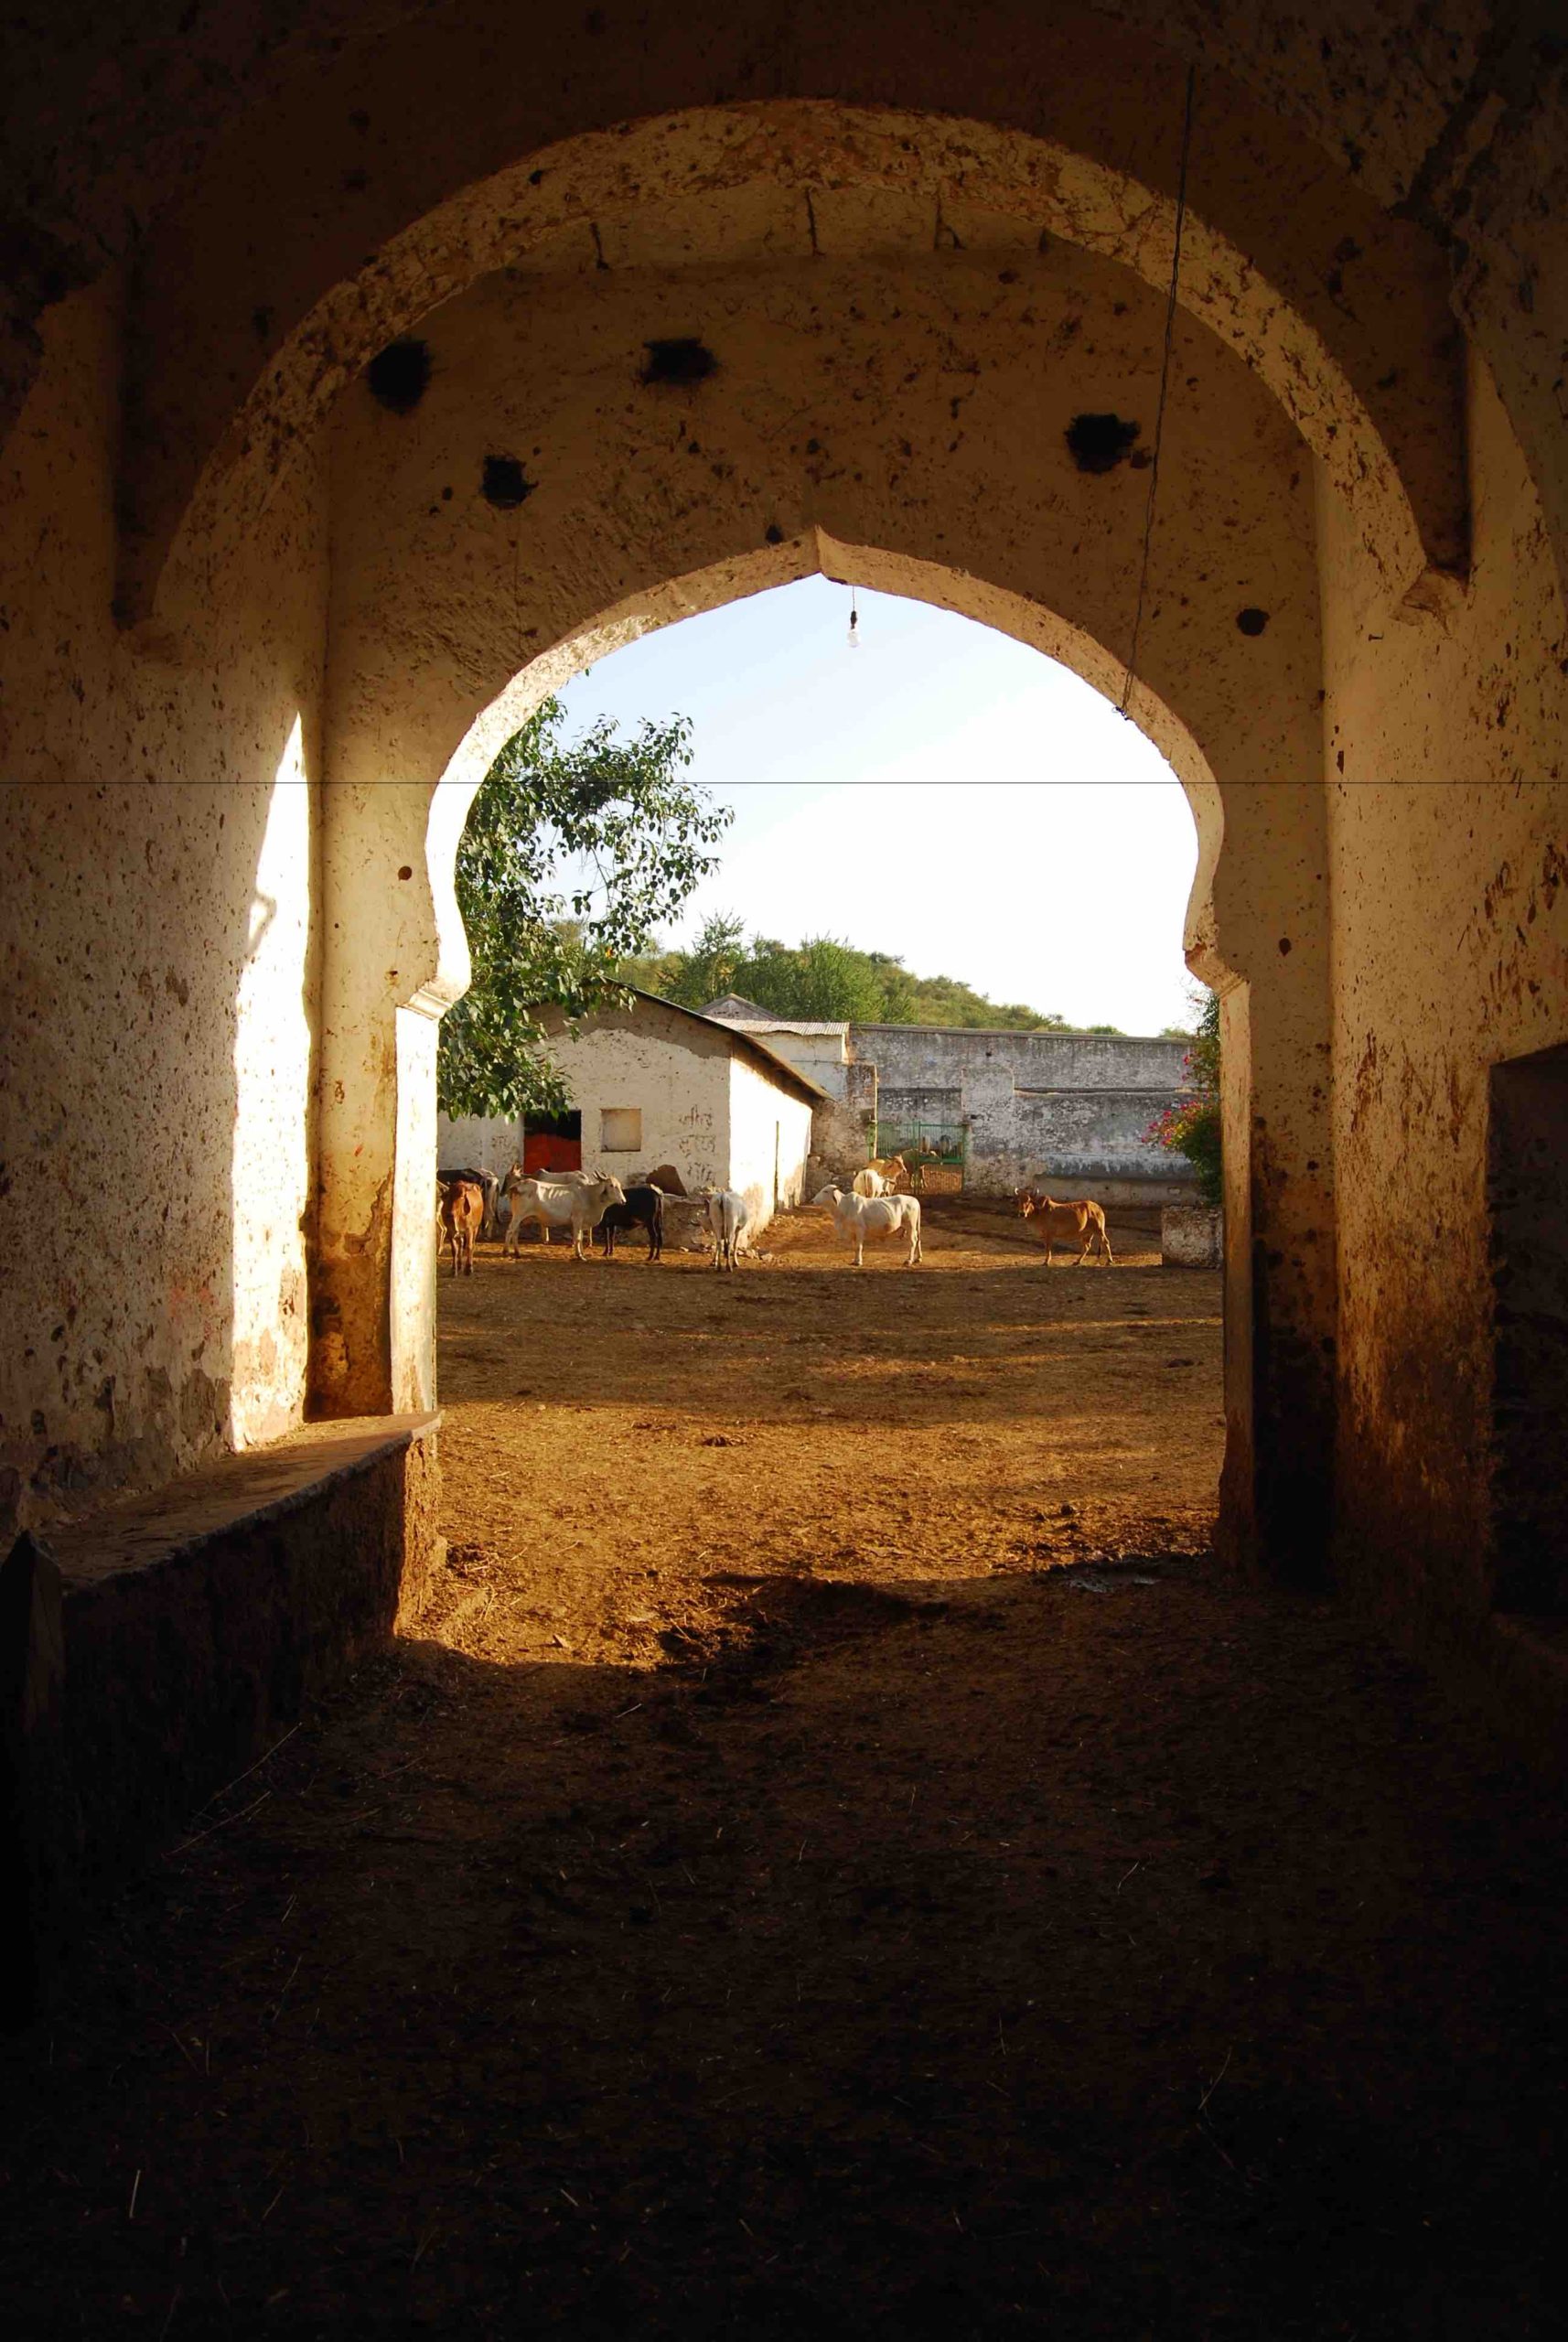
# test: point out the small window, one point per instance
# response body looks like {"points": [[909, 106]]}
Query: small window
{"points": [[620, 1130]]}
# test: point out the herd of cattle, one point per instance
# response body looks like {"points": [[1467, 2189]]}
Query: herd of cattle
{"points": [[872, 1206]]}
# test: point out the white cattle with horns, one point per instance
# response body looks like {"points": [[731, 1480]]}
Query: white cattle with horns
{"points": [[574, 1202]]}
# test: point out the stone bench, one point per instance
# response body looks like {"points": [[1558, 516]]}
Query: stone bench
{"points": [[152, 1650]]}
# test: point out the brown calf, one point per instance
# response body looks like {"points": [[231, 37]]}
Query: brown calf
{"points": [[460, 1203], [1062, 1221]]}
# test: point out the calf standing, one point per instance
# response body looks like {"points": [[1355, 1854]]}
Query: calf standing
{"points": [[461, 1205]]}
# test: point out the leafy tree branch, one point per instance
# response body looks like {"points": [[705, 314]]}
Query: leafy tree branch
{"points": [[576, 852]]}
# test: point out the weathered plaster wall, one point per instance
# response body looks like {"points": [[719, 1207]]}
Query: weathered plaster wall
{"points": [[823, 1057], [156, 1015], [770, 1139], [842, 1127], [360, 122], [1338, 308], [394, 958], [937, 1056], [1448, 837], [879, 404], [1038, 1106], [478, 1142]]}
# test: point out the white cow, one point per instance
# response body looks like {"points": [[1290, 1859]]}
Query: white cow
{"points": [[726, 1217], [869, 1182], [517, 1175], [863, 1218], [572, 1201]]}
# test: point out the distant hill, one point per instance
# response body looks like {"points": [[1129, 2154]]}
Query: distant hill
{"points": [[822, 976]]}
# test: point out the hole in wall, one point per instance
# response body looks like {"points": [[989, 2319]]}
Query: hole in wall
{"points": [[504, 483], [1252, 620], [682, 361], [399, 375], [1097, 443]]}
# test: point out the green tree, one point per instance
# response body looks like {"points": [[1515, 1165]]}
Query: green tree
{"points": [[836, 981], [944, 1000], [824, 976], [898, 989], [653, 971], [576, 851], [710, 967]]}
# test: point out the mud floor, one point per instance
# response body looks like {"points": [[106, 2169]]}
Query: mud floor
{"points": [[837, 1859]]}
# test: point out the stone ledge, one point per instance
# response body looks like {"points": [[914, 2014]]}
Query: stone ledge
{"points": [[255, 1486], [166, 1641]]}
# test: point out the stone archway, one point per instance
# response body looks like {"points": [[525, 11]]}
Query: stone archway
{"points": [[917, 246], [549, 489], [909, 249], [375, 1300]]}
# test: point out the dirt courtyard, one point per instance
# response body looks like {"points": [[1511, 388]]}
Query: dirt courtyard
{"points": [[836, 1859], [801, 1421]]}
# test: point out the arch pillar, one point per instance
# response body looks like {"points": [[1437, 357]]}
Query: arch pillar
{"points": [[1258, 933], [394, 958]]}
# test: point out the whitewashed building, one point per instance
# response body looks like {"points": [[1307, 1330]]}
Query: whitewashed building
{"points": [[824, 1051], [654, 1084]]}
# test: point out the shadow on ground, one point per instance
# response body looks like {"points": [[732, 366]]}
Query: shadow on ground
{"points": [[1112, 1953]]}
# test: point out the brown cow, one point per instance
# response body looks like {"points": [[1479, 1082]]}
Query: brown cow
{"points": [[461, 1205], [880, 1176], [1065, 1220]]}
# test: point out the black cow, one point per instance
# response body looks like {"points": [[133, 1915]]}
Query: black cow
{"points": [[643, 1208]]}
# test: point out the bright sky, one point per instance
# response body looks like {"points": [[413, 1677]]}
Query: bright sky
{"points": [[941, 792]]}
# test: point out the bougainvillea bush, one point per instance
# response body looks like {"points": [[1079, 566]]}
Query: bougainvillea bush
{"points": [[1191, 1127]]}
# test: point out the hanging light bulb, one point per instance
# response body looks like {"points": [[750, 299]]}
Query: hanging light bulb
{"points": [[853, 622]]}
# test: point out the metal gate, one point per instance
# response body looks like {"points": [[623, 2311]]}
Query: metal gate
{"points": [[936, 1153]]}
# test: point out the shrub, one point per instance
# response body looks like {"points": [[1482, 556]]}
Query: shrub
{"points": [[1192, 1126]]}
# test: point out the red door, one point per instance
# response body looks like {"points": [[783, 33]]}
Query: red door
{"points": [[542, 1151]]}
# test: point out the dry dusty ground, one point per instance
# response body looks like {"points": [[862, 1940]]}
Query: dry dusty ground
{"points": [[771, 1898]]}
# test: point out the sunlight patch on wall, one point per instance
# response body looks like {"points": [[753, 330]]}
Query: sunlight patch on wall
{"points": [[271, 1182]]}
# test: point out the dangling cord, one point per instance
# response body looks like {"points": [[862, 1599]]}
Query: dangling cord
{"points": [[853, 621], [1164, 386], [522, 653]]}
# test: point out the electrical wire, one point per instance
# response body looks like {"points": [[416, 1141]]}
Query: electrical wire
{"points": [[1165, 388]]}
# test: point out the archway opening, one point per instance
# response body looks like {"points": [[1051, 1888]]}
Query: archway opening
{"points": [[1043, 1416]]}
